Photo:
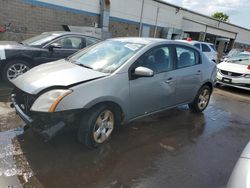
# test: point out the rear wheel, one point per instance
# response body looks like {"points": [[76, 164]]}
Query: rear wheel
{"points": [[14, 68], [201, 100], [97, 125]]}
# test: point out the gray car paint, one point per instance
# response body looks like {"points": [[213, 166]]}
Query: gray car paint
{"points": [[137, 97], [240, 177], [57, 73]]}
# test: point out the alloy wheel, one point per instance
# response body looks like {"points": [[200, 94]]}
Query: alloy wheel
{"points": [[16, 70], [104, 126], [203, 99]]}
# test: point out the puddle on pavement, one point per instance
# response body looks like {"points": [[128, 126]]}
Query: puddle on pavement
{"points": [[9, 152], [133, 155]]}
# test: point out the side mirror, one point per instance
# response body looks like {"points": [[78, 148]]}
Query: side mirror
{"points": [[54, 45], [143, 72]]}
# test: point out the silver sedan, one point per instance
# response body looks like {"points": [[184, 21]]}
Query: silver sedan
{"points": [[112, 83]]}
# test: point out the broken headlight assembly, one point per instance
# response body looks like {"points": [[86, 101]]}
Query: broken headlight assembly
{"points": [[48, 101]]}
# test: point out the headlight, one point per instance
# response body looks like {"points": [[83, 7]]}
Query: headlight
{"points": [[247, 75], [48, 101]]}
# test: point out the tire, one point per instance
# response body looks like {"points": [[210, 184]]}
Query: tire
{"points": [[89, 127], [14, 69], [201, 100]]}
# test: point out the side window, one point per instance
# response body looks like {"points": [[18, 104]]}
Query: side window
{"points": [[197, 45], [186, 57], [205, 48], [213, 47], [91, 41], [158, 59], [70, 42]]}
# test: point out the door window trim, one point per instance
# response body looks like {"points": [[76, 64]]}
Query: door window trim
{"points": [[62, 37], [171, 50], [193, 48]]}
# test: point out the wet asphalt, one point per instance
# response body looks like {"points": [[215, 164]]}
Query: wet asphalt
{"points": [[174, 149]]}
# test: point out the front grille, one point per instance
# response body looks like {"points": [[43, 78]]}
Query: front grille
{"points": [[24, 100], [233, 74]]}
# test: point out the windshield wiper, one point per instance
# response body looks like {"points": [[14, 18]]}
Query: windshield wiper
{"points": [[85, 66], [75, 62], [241, 59]]}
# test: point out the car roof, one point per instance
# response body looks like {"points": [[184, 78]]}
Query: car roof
{"points": [[61, 33], [140, 40], [194, 42], [150, 41]]}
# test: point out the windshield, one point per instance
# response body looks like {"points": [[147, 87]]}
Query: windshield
{"points": [[106, 56], [242, 59], [40, 39], [234, 52]]}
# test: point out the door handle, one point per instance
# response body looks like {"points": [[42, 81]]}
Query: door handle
{"points": [[198, 72], [169, 80]]}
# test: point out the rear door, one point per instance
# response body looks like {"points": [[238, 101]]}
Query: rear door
{"points": [[149, 94], [188, 73]]}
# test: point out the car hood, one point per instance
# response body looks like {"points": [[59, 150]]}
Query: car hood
{"points": [[240, 176], [54, 74], [233, 67], [12, 45]]}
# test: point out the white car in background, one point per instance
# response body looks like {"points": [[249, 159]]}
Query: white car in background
{"points": [[235, 72], [207, 48]]}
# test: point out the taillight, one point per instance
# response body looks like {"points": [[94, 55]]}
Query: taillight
{"points": [[248, 67]]}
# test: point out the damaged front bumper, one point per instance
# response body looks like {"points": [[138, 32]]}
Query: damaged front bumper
{"points": [[45, 123], [28, 120]]}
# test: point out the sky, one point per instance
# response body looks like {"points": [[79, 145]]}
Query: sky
{"points": [[238, 10]]}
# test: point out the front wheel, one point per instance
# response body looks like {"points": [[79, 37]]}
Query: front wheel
{"points": [[14, 69], [97, 125], [201, 100]]}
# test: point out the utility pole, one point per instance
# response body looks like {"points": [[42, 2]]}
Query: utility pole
{"points": [[142, 7], [156, 21]]}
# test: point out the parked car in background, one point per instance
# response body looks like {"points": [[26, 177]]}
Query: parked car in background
{"points": [[234, 53], [235, 72], [113, 82], [17, 58], [207, 48], [240, 177]]}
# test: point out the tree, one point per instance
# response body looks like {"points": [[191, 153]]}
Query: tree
{"points": [[221, 16]]}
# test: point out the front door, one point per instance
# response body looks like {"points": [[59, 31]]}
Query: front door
{"points": [[149, 94], [66, 47]]}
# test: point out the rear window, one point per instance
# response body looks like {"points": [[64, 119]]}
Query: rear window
{"points": [[186, 57], [197, 45], [213, 47], [205, 48]]}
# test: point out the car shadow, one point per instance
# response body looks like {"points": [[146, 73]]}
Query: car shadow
{"points": [[63, 162]]}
